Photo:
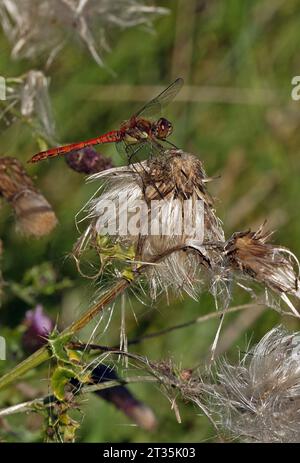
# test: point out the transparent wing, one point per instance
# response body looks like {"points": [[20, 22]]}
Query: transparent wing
{"points": [[138, 152], [121, 148], [163, 99], [135, 152]]}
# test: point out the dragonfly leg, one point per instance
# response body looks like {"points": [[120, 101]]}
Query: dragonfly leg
{"points": [[168, 142], [131, 153]]}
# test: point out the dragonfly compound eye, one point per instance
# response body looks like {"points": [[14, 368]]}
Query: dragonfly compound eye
{"points": [[164, 128]]}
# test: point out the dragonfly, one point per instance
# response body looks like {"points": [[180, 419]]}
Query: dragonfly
{"points": [[138, 133]]}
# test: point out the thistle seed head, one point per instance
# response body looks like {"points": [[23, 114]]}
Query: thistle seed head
{"points": [[39, 28], [156, 206], [252, 256], [259, 399], [28, 97], [34, 214]]}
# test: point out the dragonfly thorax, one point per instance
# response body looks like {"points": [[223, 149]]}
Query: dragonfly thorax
{"points": [[136, 130]]}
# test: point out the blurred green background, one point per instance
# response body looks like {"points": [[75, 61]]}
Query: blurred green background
{"points": [[235, 112]]}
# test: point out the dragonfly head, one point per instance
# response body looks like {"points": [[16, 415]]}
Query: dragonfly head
{"points": [[162, 128]]}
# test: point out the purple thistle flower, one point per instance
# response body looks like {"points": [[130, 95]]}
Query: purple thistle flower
{"points": [[88, 161], [122, 398], [38, 326]]}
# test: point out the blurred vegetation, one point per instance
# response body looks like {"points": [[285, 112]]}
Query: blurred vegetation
{"points": [[246, 130]]}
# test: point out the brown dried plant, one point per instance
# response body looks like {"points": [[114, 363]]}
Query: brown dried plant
{"points": [[34, 214]]}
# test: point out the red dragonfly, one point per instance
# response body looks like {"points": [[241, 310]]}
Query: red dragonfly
{"points": [[140, 131]]}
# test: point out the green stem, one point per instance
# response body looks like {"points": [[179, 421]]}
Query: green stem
{"points": [[44, 353], [50, 399], [108, 297], [33, 361]]}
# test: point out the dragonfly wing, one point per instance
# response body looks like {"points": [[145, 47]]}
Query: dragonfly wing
{"points": [[121, 148], [136, 159], [138, 152], [136, 155], [162, 100], [135, 152]]}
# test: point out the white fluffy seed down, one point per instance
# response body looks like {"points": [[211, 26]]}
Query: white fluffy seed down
{"points": [[171, 190], [41, 28], [258, 400]]}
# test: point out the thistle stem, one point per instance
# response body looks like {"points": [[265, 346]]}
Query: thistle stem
{"points": [[29, 363], [44, 353], [50, 399]]}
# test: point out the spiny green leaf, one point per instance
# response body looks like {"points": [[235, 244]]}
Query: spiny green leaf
{"points": [[128, 274], [114, 250], [57, 343], [60, 378]]}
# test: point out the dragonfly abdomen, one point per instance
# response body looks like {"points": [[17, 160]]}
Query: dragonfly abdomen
{"points": [[109, 137]]}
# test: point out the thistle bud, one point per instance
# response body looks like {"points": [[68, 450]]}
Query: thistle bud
{"points": [[87, 161], [122, 398], [38, 326]]}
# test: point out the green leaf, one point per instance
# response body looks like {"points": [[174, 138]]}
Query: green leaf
{"points": [[114, 250], [57, 343], [60, 378]]}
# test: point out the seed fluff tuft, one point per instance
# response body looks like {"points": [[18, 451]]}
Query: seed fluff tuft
{"points": [[163, 205], [258, 400]]}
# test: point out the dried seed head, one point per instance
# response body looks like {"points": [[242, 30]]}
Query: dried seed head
{"points": [[186, 374], [274, 266], [28, 97], [156, 206], [34, 214], [88, 161], [41, 28], [259, 399]]}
